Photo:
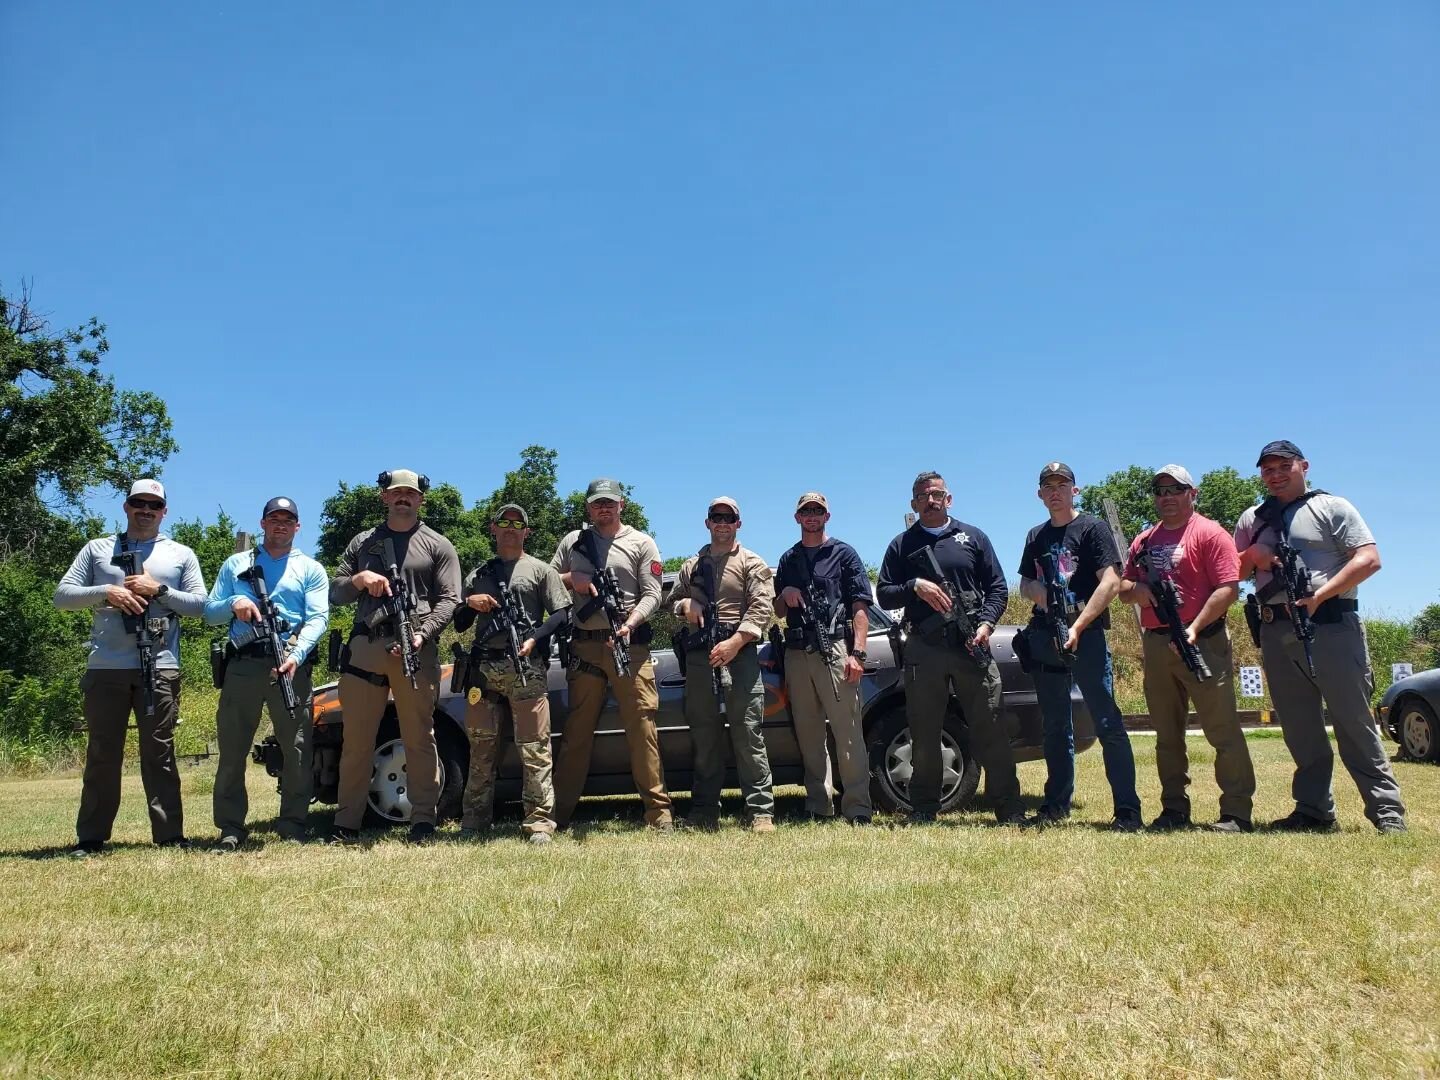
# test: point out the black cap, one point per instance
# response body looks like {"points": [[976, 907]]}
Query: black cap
{"points": [[281, 503], [1279, 448], [1057, 468]]}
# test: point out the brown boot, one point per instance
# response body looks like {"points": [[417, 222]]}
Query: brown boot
{"points": [[762, 823]]}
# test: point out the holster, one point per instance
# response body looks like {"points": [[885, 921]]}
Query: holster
{"points": [[459, 674], [1252, 617], [1021, 644], [334, 649], [219, 659]]}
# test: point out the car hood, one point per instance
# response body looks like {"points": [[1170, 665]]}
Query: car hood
{"points": [[1424, 682]]}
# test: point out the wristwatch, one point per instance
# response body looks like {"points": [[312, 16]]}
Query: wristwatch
{"points": [[162, 592], [858, 654]]}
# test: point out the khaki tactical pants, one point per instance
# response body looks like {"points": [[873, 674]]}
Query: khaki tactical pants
{"points": [[1169, 689], [529, 708], [248, 688], [363, 706], [811, 681], [1341, 686], [638, 702], [111, 695], [931, 670]]}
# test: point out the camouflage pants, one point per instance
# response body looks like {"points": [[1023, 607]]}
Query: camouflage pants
{"points": [[529, 709]]}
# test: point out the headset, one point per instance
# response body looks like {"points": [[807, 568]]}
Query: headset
{"points": [[384, 481]]}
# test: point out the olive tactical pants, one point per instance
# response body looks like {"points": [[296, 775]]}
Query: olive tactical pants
{"points": [[744, 714], [248, 688]]}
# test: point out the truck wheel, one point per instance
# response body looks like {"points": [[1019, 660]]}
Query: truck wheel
{"points": [[890, 749], [1419, 735]]}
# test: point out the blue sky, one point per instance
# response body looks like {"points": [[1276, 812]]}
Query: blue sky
{"points": [[747, 249]]}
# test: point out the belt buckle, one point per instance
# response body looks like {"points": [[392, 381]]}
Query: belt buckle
{"points": [[1267, 613]]}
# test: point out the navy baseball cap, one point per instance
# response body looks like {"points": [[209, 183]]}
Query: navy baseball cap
{"points": [[1279, 448], [281, 503]]}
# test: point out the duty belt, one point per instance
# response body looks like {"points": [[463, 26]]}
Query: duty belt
{"points": [[721, 632], [578, 634], [1330, 611], [795, 637], [1209, 631]]}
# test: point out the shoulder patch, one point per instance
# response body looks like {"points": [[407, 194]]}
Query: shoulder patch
{"points": [[763, 572], [656, 567]]}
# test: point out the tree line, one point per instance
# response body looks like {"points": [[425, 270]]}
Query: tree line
{"points": [[67, 432]]}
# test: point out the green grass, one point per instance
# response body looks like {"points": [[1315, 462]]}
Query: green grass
{"points": [[960, 949]]}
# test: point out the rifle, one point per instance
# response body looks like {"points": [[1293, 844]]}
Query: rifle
{"points": [[1059, 602], [271, 626], [144, 628], [610, 599], [1292, 572], [817, 626], [400, 607], [513, 621], [1167, 601], [957, 620], [706, 637]]}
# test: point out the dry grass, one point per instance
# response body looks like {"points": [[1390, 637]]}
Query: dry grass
{"points": [[959, 949]]}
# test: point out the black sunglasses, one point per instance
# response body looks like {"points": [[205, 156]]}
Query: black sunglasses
{"points": [[144, 504], [724, 519], [1169, 489]]}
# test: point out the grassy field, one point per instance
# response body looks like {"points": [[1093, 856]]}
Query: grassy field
{"points": [[958, 949]]}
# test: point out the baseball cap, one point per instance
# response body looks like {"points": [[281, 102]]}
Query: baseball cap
{"points": [[1279, 448], [1057, 468], [724, 500], [807, 498], [281, 503], [148, 487], [403, 478], [512, 506], [603, 488], [1179, 472]]}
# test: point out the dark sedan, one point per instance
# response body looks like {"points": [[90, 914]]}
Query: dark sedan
{"points": [[1407, 712]]}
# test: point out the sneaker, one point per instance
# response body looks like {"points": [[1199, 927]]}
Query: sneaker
{"points": [[1044, 818], [229, 844], [83, 849], [179, 843], [1169, 821], [1392, 825], [421, 833], [539, 839], [919, 817], [1299, 821], [343, 837], [1014, 817], [762, 823], [1229, 823], [859, 821], [1127, 823]]}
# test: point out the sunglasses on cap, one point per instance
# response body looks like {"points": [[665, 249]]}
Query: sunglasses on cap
{"points": [[510, 523], [144, 504], [1169, 489], [724, 518]]}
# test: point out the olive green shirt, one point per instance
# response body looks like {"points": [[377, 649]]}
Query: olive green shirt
{"points": [[746, 588], [635, 560], [536, 585]]}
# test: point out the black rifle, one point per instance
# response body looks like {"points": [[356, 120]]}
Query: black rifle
{"points": [[142, 626], [511, 620], [611, 600], [708, 636], [958, 619], [399, 608], [271, 626], [1294, 575], [1167, 603], [817, 626], [1059, 602]]}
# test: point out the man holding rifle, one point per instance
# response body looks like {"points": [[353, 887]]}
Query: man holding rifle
{"points": [[944, 573], [406, 579], [140, 582], [509, 666], [634, 560], [1328, 551], [1188, 555], [271, 596]]}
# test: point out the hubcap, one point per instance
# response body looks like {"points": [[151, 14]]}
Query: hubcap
{"points": [[1418, 733], [899, 767], [389, 788]]}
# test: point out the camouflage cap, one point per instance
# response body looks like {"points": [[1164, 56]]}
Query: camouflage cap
{"points": [[812, 497], [604, 488], [515, 507], [724, 500]]}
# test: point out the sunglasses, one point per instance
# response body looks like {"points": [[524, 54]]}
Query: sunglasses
{"points": [[510, 523], [144, 504], [724, 519], [812, 511], [1169, 489]]}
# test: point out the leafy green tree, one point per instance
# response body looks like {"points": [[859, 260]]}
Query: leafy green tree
{"points": [[1426, 629], [1225, 495], [1130, 488], [212, 544]]}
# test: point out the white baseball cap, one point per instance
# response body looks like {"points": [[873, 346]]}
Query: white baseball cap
{"points": [[148, 487]]}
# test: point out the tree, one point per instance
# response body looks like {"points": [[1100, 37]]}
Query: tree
{"points": [[1426, 628], [212, 544], [1225, 495], [1130, 488]]}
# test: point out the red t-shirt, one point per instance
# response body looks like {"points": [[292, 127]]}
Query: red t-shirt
{"points": [[1199, 558]]}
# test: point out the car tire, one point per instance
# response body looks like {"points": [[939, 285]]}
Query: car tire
{"points": [[454, 750], [388, 802], [1419, 734], [888, 742]]}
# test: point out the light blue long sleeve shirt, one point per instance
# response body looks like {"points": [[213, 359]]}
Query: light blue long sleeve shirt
{"points": [[84, 585], [298, 586]]}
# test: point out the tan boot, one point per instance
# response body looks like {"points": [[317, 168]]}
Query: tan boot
{"points": [[762, 823]]}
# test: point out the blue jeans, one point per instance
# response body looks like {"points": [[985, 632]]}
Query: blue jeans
{"points": [[1091, 672]]}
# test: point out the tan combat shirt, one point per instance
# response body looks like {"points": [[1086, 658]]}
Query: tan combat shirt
{"points": [[635, 560], [747, 589]]}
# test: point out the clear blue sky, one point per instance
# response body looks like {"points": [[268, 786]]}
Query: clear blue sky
{"points": [[747, 249]]}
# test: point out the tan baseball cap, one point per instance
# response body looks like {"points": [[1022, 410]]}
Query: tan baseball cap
{"points": [[724, 500], [813, 497], [403, 478]]}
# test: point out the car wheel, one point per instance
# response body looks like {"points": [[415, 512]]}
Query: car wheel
{"points": [[890, 763], [1419, 734], [454, 750], [388, 802]]}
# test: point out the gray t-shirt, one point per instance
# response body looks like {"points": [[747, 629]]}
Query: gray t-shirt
{"points": [[536, 585], [1324, 529], [112, 647]]}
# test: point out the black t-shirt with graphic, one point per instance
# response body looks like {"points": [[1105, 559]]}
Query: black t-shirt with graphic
{"points": [[1089, 548]]}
